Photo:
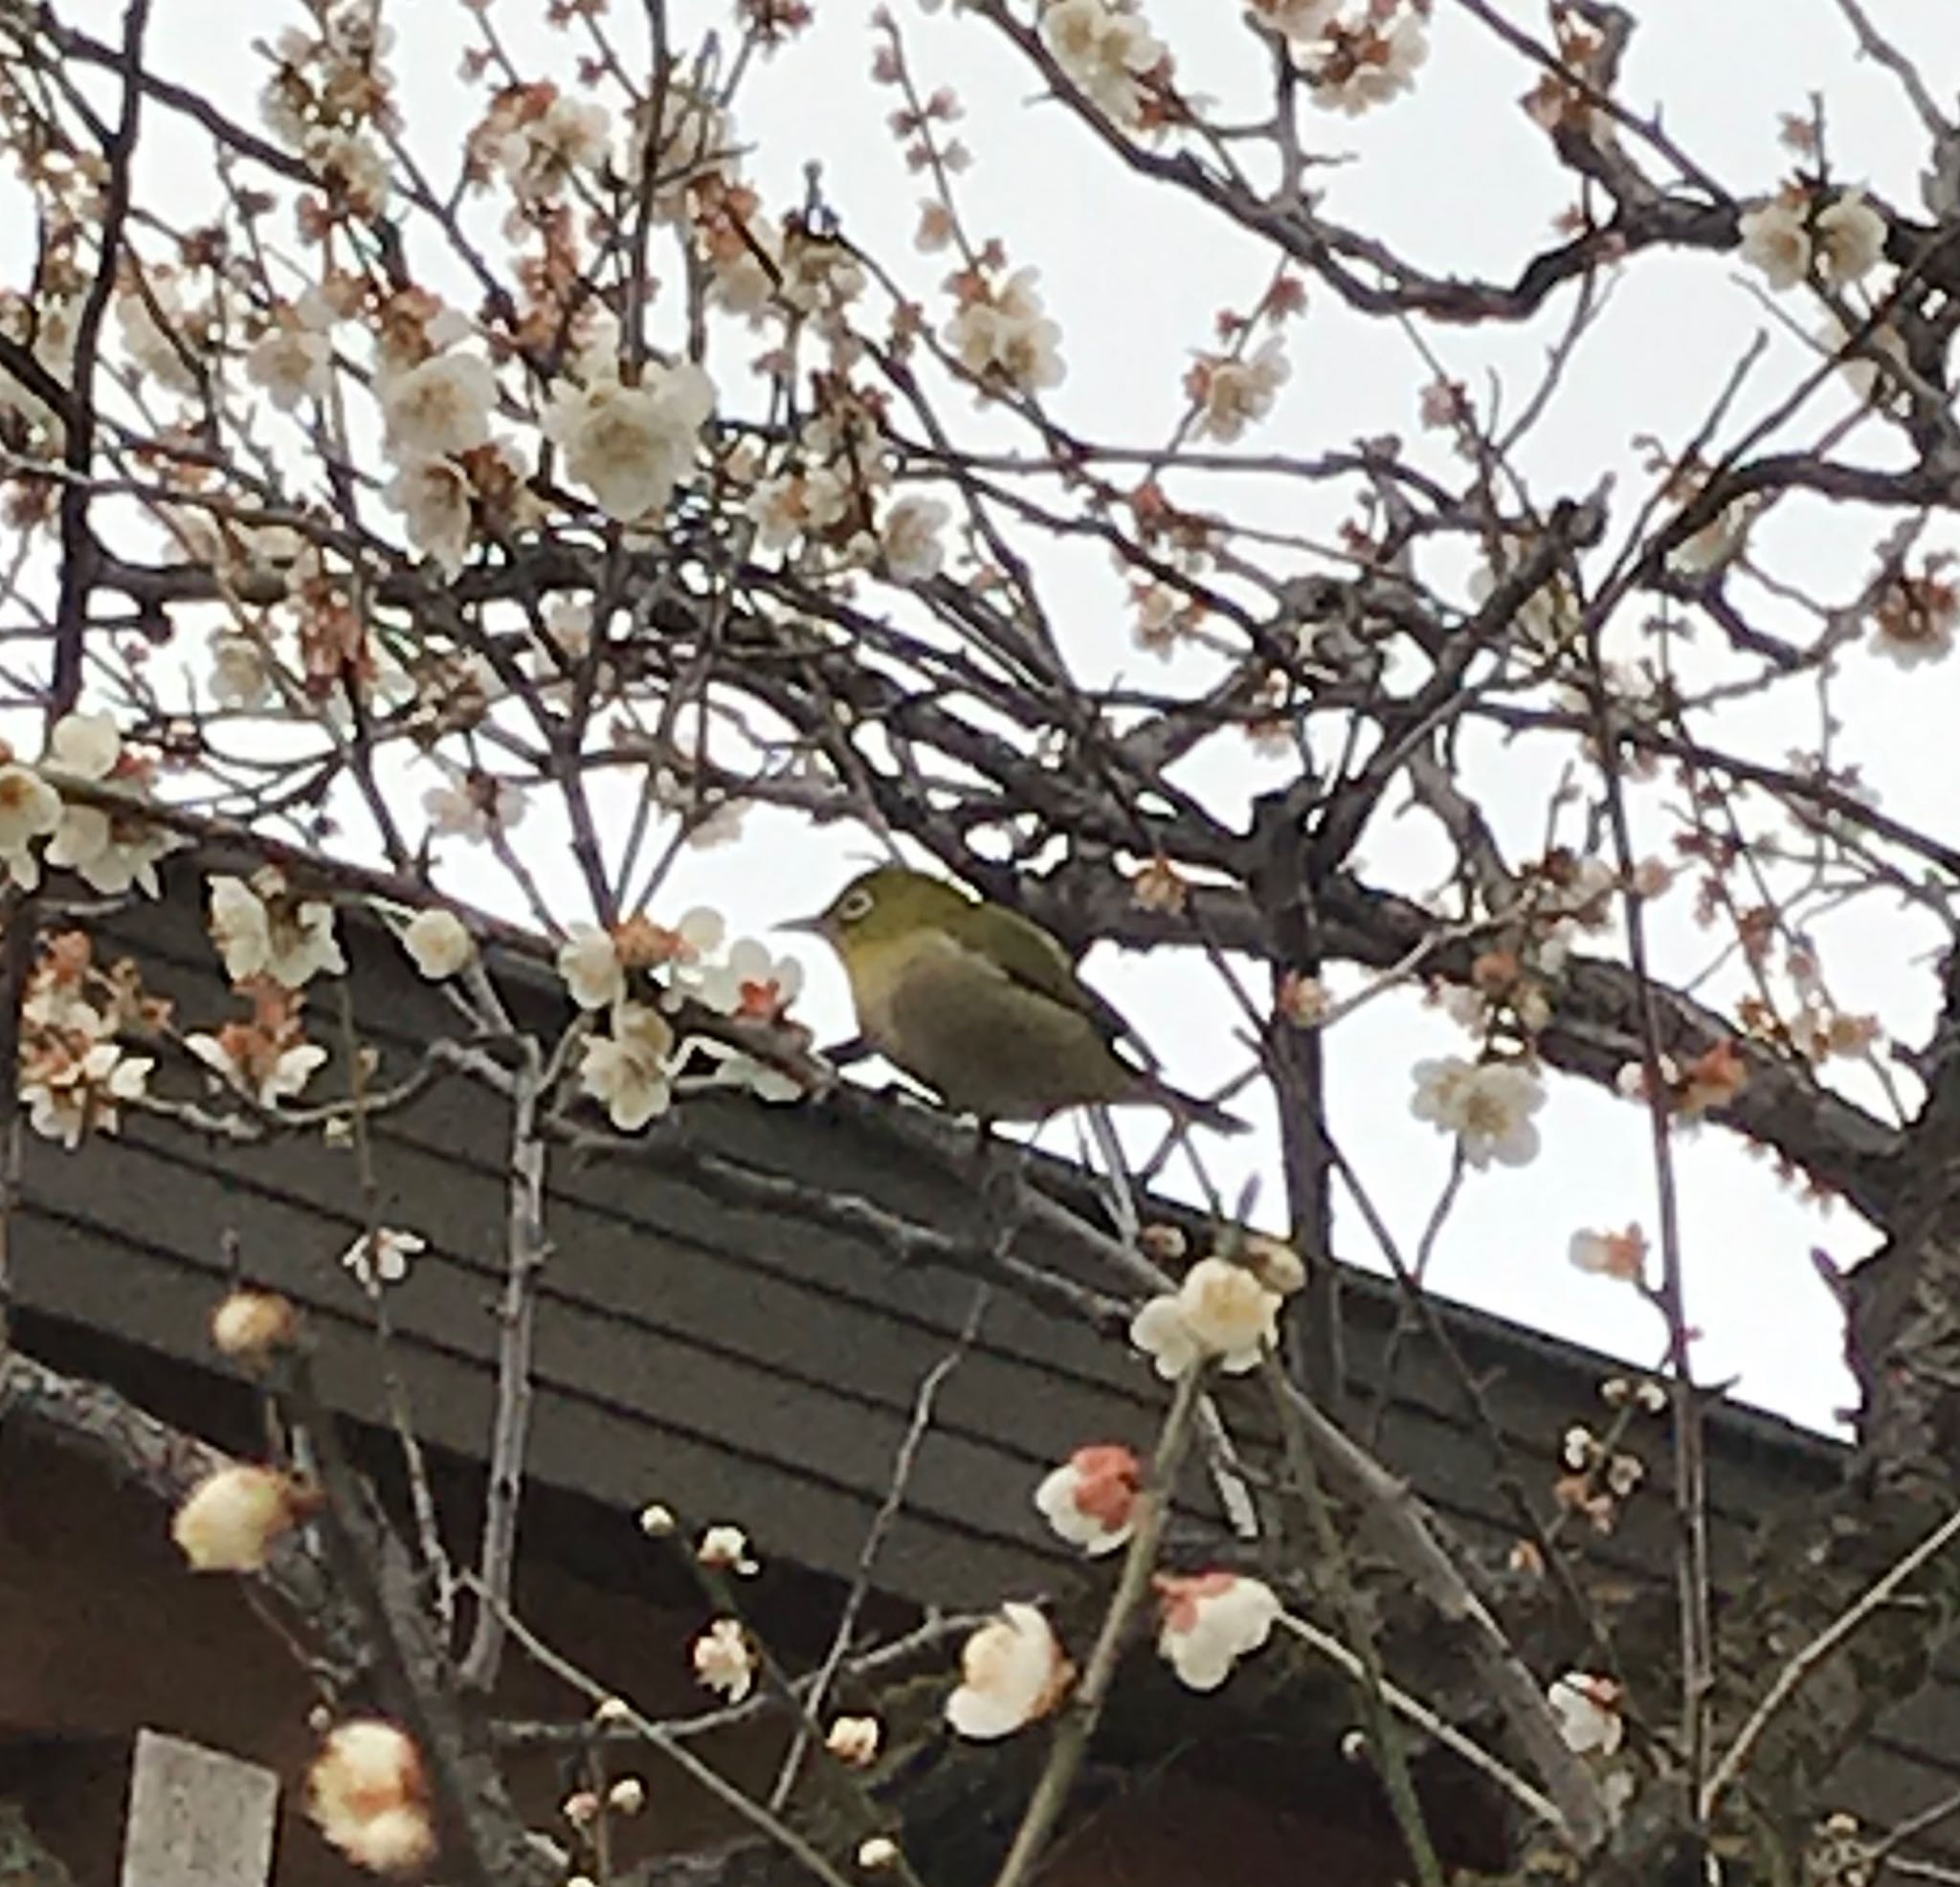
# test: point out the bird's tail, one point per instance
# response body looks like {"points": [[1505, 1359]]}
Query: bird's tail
{"points": [[1191, 1110]]}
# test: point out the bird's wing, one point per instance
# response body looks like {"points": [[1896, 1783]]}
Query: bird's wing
{"points": [[1034, 960]]}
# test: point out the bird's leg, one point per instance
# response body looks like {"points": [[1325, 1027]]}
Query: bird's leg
{"points": [[997, 1173]]}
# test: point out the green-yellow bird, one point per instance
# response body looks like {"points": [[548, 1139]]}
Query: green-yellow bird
{"points": [[983, 1005]]}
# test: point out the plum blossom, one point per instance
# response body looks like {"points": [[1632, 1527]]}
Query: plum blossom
{"points": [[726, 1548], [1850, 237], [438, 408], [1207, 1622], [240, 675], [263, 929], [724, 1660], [259, 1062], [231, 1518], [910, 540], [1012, 1673], [1367, 65], [570, 135], [1487, 1105], [473, 806], [250, 1325], [30, 808], [854, 1740], [631, 446], [1104, 49], [367, 1793], [1620, 1255], [1090, 1500], [1298, 21], [1588, 1709], [291, 362], [1221, 1311], [1002, 336], [1776, 239], [748, 982], [1233, 395], [589, 967], [627, 1072], [439, 943], [433, 496], [1916, 618], [72, 1085], [379, 1259], [149, 339]]}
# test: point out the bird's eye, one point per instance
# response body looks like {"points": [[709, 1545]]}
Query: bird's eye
{"points": [[854, 904]]}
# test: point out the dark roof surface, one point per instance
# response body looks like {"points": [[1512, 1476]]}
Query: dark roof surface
{"points": [[754, 1367]]}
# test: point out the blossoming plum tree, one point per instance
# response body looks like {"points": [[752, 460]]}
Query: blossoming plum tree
{"points": [[468, 534]]}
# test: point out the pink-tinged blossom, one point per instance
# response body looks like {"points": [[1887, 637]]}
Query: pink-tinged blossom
{"points": [[1090, 1500], [1208, 1621], [1588, 1709], [367, 1793]]}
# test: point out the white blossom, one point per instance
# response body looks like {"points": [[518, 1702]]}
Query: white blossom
{"points": [[749, 981], [283, 1077], [1366, 66], [589, 967], [631, 446], [367, 1793], [262, 929], [1487, 1105], [1587, 1708], [910, 540], [1207, 1623], [68, 1094], [1005, 336], [439, 943], [1850, 237], [473, 808], [355, 167], [1776, 239], [86, 746], [433, 496], [231, 1518], [724, 1660], [1012, 1671], [726, 1548], [240, 675], [1221, 1311], [30, 808], [627, 1071], [1090, 1500], [382, 1258], [1234, 394], [438, 408], [570, 135], [854, 1740], [149, 340], [1298, 21], [291, 362], [1104, 49]]}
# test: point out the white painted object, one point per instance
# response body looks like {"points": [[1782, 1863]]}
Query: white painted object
{"points": [[197, 1817]]}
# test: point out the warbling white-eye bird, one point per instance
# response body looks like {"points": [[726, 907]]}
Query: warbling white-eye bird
{"points": [[983, 1005]]}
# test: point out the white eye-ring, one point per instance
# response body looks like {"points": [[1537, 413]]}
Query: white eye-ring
{"points": [[854, 904]]}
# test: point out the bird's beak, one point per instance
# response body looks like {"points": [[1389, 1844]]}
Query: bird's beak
{"points": [[816, 927]]}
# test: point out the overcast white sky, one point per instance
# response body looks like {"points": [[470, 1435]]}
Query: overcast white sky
{"points": [[1455, 178]]}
